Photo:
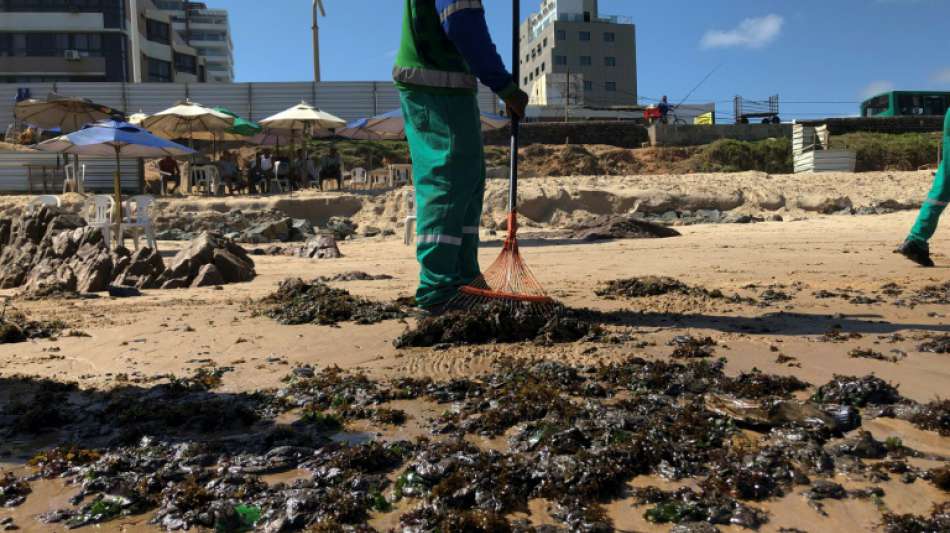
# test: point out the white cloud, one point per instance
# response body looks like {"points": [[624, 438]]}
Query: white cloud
{"points": [[750, 33], [942, 76], [877, 87]]}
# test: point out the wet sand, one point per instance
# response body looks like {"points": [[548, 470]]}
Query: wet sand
{"points": [[178, 331]]}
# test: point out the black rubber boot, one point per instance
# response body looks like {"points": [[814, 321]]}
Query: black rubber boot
{"points": [[916, 251]]}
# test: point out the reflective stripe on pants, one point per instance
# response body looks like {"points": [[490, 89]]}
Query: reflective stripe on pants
{"points": [[445, 141]]}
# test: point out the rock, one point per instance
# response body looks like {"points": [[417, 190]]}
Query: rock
{"points": [[776, 218], [176, 283], [708, 215], [824, 204], [321, 247], [231, 268], [342, 228], [94, 273], [768, 199], [273, 231], [173, 234], [189, 259], [122, 291], [300, 229], [208, 276], [370, 231], [67, 221]]}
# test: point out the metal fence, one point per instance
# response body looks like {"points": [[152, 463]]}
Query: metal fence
{"points": [[348, 100], [99, 172]]}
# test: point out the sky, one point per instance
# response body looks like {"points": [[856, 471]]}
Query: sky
{"points": [[821, 56]]}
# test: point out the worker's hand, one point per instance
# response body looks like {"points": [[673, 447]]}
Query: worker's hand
{"points": [[516, 103]]}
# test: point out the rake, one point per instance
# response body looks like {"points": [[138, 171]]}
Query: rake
{"points": [[509, 280]]}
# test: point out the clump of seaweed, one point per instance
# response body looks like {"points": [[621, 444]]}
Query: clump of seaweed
{"points": [[497, 322], [936, 345], [645, 286], [298, 302], [933, 416], [13, 491], [16, 327], [939, 520], [857, 391], [689, 347]]}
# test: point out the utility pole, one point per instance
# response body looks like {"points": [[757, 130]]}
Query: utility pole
{"points": [[316, 39], [567, 98]]}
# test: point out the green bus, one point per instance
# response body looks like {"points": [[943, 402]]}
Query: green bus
{"points": [[906, 103]]}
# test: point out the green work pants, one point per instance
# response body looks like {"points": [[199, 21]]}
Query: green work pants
{"points": [[448, 166], [939, 195]]}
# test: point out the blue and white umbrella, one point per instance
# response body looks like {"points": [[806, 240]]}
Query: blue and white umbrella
{"points": [[392, 125], [109, 138]]}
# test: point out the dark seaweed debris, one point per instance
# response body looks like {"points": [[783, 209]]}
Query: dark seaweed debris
{"points": [[936, 345], [298, 302], [354, 275], [498, 322], [16, 327], [642, 287], [933, 294], [859, 392], [13, 491], [933, 416], [938, 521], [689, 347], [867, 353]]}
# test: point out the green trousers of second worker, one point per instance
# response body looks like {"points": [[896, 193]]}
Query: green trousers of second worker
{"points": [[448, 166], [939, 195]]}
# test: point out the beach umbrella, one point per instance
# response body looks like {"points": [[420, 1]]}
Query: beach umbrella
{"points": [[186, 118], [109, 138], [136, 118], [301, 117], [305, 118], [240, 131], [272, 137], [392, 125], [66, 113]]}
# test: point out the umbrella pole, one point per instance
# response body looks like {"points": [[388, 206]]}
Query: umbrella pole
{"points": [[117, 183]]}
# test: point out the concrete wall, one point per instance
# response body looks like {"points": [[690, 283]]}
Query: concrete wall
{"points": [[667, 135], [840, 126], [622, 134]]}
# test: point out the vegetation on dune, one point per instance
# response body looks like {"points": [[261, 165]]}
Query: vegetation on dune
{"points": [[875, 152], [882, 151]]}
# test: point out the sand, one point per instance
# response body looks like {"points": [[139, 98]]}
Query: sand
{"points": [[162, 331]]}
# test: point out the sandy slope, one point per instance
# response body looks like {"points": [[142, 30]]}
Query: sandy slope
{"points": [[153, 334]]}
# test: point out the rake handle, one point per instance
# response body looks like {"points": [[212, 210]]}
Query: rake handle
{"points": [[515, 121]]}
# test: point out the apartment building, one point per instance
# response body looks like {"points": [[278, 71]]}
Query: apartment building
{"points": [[208, 31], [571, 39], [92, 40]]}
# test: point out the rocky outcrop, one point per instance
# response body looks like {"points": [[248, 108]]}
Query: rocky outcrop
{"points": [[320, 247], [44, 252]]}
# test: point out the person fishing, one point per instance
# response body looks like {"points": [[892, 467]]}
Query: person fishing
{"points": [[445, 49], [916, 247]]}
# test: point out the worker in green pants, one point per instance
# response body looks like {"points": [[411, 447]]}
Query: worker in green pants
{"points": [[915, 247], [445, 50]]}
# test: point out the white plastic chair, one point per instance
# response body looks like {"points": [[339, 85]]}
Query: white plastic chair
{"points": [[281, 172], [102, 209], [48, 200], [359, 178], [399, 175], [410, 221], [137, 214], [207, 178], [74, 181]]}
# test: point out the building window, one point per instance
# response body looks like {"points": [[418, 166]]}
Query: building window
{"points": [[583, 35], [560, 60], [561, 35], [610, 61], [158, 32], [525, 80], [531, 76], [158, 70], [544, 43], [588, 85], [537, 72], [542, 67], [610, 37], [586, 61], [186, 63], [610, 86]]}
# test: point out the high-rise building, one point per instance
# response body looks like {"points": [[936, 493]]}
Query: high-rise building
{"points": [[571, 39], [206, 29], [92, 40]]}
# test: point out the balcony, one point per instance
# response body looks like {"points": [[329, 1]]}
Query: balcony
{"points": [[52, 66], [538, 29]]}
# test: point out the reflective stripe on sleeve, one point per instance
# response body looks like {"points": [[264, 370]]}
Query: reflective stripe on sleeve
{"points": [[439, 239], [461, 5]]}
